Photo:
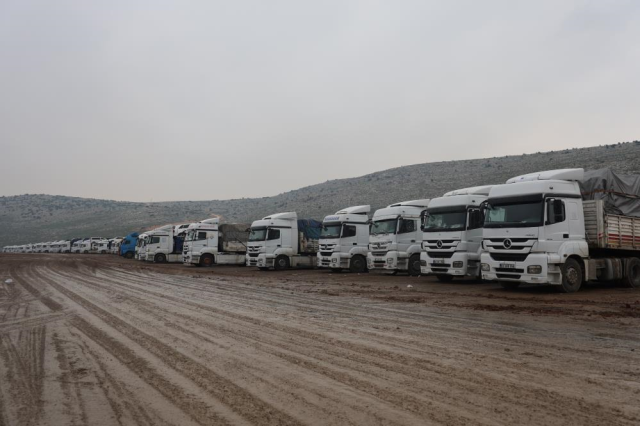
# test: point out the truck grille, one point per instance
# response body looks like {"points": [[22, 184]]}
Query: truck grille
{"points": [[253, 254], [509, 257], [326, 253], [440, 255]]}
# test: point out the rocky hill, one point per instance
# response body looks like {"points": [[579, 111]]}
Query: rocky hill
{"points": [[35, 218]]}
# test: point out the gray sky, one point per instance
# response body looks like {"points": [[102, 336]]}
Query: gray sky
{"points": [[176, 100]]}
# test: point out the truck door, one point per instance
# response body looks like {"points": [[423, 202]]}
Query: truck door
{"points": [[556, 227], [407, 233], [274, 240], [348, 238], [475, 222]]}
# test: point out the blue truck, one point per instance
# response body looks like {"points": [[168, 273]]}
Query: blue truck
{"points": [[128, 245]]}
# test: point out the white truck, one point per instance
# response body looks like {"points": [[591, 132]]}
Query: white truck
{"points": [[93, 245], [210, 243], [539, 230], [344, 240], [452, 234], [281, 241], [395, 239], [162, 245], [140, 246]]}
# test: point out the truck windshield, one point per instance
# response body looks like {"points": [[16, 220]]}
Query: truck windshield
{"points": [[387, 226], [331, 230], [446, 221], [258, 234], [514, 215]]}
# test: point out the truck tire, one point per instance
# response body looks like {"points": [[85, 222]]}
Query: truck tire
{"points": [[444, 278], [160, 258], [128, 255], [571, 276], [414, 265], [207, 260], [631, 277], [358, 264], [507, 285], [281, 263]]}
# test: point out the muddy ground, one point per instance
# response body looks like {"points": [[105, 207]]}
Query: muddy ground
{"points": [[98, 340]]}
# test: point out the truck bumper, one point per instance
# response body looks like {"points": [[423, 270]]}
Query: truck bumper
{"points": [[458, 265], [550, 273], [335, 261], [390, 261], [261, 261]]}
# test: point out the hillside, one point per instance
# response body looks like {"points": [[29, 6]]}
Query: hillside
{"points": [[35, 218]]}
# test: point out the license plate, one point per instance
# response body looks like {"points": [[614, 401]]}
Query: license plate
{"points": [[508, 265], [438, 261]]}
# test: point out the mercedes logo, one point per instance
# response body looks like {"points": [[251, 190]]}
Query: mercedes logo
{"points": [[507, 243], [439, 244]]}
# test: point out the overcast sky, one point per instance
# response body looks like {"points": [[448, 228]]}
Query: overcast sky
{"points": [[178, 100]]}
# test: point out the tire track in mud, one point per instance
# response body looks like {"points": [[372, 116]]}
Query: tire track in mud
{"points": [[23, 357], [551, 397], [227, 392]]}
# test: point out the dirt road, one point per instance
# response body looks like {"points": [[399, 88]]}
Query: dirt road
{"points": [[97, 340]]}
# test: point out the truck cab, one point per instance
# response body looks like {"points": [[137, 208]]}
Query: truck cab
{"points": [[395, 239], [208, 242], [162, 245], [344, 240], [452, 234], [128, 245], [534, 224], [277, 242]]}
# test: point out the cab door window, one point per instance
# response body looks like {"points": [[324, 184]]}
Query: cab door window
{"points": [[348, 231], [154, 240], [406, 226], [273, 234], [201, 236]]}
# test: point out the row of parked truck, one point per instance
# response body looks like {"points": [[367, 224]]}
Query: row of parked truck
{"points": [[539, 228]]}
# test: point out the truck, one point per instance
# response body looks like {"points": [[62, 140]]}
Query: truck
{"points": [[140, 246], [452, 234], [540, 228], [344, 240], [281, 241], [209, 242], [93, 245], [395, 239], [128, 246], [162, 245]]}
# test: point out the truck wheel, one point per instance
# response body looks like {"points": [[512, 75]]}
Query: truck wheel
{"points": [[509, 285], [128, 255], [281, 263], [571, 276], [632, 273], [358, 264], [444, 278], [206, 260], [414, 265], [160, 258]]}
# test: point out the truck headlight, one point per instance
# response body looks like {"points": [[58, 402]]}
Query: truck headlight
{"points": [[534, 269], [390, 260], [485, 267], [458, 264], [334, 260], [423, 263]]}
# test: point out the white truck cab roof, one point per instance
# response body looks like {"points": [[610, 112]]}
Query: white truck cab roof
{"points": [[561, 182], [405, 208], [274, 218], [560, 174], [358, 214]]}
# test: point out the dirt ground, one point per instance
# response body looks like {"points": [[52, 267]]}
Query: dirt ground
{"points": [[99, 340]]}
